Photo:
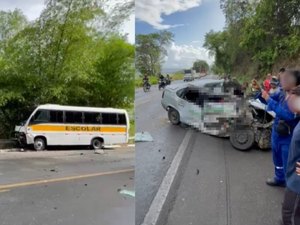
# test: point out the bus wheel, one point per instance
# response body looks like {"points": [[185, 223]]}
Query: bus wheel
{"points": [[97, 143], [39, 144]]}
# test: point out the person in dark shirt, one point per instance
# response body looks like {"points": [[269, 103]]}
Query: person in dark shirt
{"points": [[291, 203]]}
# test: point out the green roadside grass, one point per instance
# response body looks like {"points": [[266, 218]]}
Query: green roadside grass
{"points": [[139, 81], [131, 114], [177, 76]]}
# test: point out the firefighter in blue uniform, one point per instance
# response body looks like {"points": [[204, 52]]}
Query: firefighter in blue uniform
{"points": [[284, 123]]}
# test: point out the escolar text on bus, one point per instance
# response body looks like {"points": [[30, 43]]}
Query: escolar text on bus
{"points": [[82, 128]]}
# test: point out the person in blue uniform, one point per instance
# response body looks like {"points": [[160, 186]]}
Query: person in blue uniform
{"points": [[291, 202], [283, 126]]}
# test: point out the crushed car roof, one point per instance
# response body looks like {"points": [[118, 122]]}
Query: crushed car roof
{"points": [[197, 84]]}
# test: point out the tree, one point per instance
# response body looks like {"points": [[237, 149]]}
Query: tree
{"points": [[113, 75], [259, 35], [62, 58], [201, 66], [216, 43], [151, 51]]}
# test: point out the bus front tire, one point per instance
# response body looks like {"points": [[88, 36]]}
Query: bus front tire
{"points": [[39, 144], [97, 143]]}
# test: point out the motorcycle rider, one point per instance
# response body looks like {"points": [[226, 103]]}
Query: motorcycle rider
{"points": [[162, 81], [283, 126], [168, 79], [146, 80], [161, 77]]}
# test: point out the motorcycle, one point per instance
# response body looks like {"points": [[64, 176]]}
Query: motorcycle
{"points": [[168, 81], [161, 84], [146, 86]]}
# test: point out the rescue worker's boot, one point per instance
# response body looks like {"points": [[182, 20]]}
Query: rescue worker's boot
{"points": [[275, 183]]}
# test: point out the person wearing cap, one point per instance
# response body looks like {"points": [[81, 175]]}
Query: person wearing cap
{"points": [[274, 85]]}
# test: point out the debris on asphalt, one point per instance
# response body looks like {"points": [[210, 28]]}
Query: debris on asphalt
{"points": [[53, 170], [198, 171], [85, 184], [99, 151], [119, 189], [158, 150], [164, 158], [143, 137], [81, 153], [127, 192]]}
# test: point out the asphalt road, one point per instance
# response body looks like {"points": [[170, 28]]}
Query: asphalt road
{"points": [[223, 186], [67, 188], [152, 158], [219, 186]]}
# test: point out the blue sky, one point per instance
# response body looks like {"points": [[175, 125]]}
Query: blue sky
{"points": [[189, 20]]}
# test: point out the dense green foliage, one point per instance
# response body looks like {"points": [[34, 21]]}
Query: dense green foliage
{"points": [[200, 66], [72, 54], [151, 51], [259, 37]]}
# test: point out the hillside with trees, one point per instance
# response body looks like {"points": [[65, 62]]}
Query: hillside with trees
{"points": [[260, 36]]}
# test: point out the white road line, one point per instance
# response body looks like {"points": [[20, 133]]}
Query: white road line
{"points": [[159, 205]]}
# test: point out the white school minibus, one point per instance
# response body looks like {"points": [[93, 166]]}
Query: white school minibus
{"points": [[72, 125]]}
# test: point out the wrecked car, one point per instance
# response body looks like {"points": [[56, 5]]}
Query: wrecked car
{"points": [[218, 108]]}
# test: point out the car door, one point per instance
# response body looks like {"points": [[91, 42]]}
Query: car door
{"points": [[190, 111]]}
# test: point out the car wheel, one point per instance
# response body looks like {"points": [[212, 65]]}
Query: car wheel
{"points": [[174, 116], [39, 144], [242, 139], [97, 143]]}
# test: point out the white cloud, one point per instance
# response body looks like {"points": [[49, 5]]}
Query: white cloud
{"points": [[151, 11], [129, 28], [183, 56]]}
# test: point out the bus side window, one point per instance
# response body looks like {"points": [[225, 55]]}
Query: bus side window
{"points": [[122, 119], [92, 118], [56, 116], [73, 117], [109, 118], [41, 116]]}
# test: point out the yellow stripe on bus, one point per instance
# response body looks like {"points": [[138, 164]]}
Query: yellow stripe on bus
{"points": [[70, 128]]}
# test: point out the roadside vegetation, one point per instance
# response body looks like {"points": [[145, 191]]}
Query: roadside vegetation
{"points": [[260, 36], [73, 54]]}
